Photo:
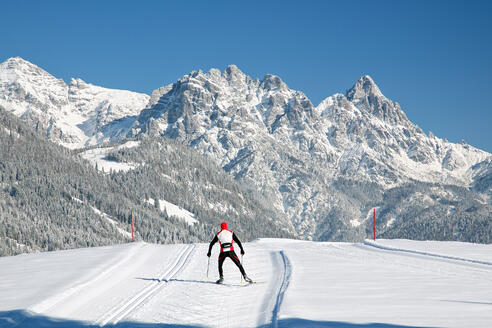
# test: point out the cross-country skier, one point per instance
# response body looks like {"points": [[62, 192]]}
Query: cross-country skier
{"points": [[226, 238]]}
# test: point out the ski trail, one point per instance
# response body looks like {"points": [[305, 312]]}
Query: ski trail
{"points": [[189, 300], [51, 302], [446, 257], [122, 310], [282, 287]]}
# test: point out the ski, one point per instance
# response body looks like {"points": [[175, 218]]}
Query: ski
{"points": [[244, 284]]}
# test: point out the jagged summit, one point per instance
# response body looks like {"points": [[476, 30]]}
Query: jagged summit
{"points": [[78, 83], [366, 95], [16, 61], [18, 68], [233, 70], [364, 87], [273, 82], [232, 75]]}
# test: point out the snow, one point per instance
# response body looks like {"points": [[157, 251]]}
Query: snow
{"points": [[390, 222], [98, 156], [15, 242], [113, 222], [387, 283], [458, 250], [222, 208], [355, 223], [369, 216], [176, 211], [11, 133]]}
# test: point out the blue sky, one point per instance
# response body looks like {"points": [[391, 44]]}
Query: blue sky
{"points": [[433, 57]]}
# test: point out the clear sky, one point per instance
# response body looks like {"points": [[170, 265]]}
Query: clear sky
{"points": [[433, 57]]}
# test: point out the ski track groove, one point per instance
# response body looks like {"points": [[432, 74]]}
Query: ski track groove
{"points": [[427, 254], [51, 302], [121, 311], [286, 276]]}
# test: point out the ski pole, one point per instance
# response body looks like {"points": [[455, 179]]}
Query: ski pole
{"points": [[242, 265], [208, 266]]}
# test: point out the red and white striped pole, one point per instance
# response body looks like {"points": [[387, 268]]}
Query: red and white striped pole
{"points": [[131, 215], [374, 224]]}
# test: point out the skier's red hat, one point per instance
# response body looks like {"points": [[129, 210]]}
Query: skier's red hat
{"points": [[223, 225]]}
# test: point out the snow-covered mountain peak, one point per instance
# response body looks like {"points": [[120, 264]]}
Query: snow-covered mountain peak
{"points": [[74, 115], [25, 87], [273, 82], [364, 87], [233, 72], [366, 95], [17, 69], [18, 63], [78, 83]]}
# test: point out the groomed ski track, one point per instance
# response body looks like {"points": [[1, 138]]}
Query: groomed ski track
{"points": [[120, 311], [306, 284], [108, 296], [415, 252]]}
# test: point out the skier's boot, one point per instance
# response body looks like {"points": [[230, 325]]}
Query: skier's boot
{"points": [[247, 279], [221, 280]]}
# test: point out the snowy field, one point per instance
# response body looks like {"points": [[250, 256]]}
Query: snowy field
{"points": [[98, 158], [390, 283]]}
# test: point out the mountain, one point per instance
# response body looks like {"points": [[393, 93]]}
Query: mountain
{"points": [[376, 140], [75, 115], [325, 167]]}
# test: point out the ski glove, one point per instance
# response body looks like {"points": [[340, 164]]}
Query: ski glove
{"points": [[242, 252], [209, 254]]}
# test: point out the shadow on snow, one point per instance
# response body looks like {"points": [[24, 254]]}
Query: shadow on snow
{"points": [[178, 280], [212, 282], [22, 318], [303, 323]]}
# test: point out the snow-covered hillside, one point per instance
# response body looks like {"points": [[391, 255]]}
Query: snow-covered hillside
{"points": [[389, 283], [74, 115], [99, 157]]}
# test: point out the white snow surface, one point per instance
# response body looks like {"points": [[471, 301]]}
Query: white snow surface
{"points": [[98, 156], [176, 211], [113, 222], [11, 133], [387, 283]]}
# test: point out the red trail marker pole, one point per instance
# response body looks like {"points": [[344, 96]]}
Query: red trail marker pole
{"points": [[374, 224], [131, 215]]}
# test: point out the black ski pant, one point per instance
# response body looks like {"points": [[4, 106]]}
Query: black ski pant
{"points": [[232, 255]]}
